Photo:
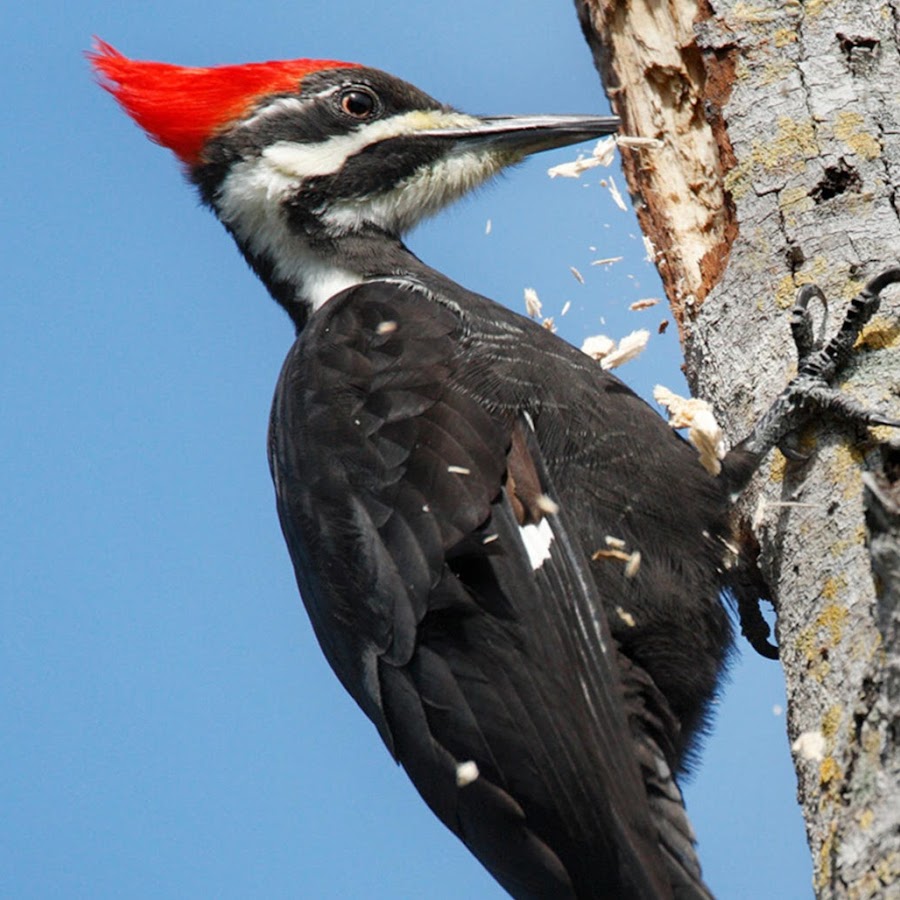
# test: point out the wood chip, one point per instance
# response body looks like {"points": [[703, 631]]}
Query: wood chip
{"points": [[547, 504], [602, 155], [617, 197], [810, 745], [532, 303], [386, 327], [607, 261], [612, 553], [633, 564], [578, 276], [639, 143], [643, 304], [697, 416], [597, 346], [628, 348], [459, 470], [466, 773]]}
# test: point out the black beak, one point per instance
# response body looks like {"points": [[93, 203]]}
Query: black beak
{"points": [[520, 136]]}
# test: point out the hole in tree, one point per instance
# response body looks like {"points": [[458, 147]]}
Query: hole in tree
{"points": [[836, 180]]}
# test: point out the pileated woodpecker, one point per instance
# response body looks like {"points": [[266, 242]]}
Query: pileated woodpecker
{"points": [[445, 471]]}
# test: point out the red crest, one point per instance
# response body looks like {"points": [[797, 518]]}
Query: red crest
{"points": [[181, 107]]}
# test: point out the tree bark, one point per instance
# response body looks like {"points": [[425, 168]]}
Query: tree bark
{"points": [[780, 157]]}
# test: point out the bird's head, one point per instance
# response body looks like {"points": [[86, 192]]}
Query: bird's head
{"points": [[295, 155]]}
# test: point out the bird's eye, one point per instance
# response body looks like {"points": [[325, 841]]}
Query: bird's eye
{"points": [[358, 103]]}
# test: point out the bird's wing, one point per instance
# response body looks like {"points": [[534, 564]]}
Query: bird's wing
{"points": [[449, 597]]}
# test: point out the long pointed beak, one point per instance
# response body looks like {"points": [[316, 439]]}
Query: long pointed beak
{"points": [[523, 135]]}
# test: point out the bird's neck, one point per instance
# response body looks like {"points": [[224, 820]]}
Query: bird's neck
{"points": [[302, 274]]}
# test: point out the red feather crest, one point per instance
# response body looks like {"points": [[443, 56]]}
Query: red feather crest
{"points": [[182, 107]]}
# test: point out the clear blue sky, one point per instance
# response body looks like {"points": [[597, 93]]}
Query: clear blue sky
{"points": [[169, 727]]}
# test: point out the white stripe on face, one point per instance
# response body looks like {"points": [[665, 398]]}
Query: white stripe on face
{"points": [[309, 160]]}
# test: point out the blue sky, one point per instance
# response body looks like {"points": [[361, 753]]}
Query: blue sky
{"points": [[170, 728]]}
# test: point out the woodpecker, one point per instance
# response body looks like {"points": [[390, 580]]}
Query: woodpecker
{"points": [[459, 488]]}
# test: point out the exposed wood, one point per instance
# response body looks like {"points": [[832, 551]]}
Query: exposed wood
{"points": [[781, 123]]}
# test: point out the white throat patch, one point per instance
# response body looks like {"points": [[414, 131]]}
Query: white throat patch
{"points": [[250, 201]]}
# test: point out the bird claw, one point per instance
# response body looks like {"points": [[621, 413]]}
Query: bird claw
{"points": [[818, 364]]}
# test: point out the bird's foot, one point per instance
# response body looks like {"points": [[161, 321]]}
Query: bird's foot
{"points": [[811, 390]]}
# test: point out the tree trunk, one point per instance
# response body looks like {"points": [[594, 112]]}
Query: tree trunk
{"points": [[780, 130]]}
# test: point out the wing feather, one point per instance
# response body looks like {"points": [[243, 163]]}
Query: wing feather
{"points": [[402, 499]]}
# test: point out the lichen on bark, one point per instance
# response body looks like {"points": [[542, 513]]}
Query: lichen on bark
{"points": [[781, 130]]}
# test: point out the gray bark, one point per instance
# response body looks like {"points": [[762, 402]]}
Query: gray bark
{"points": [[780, 124]]}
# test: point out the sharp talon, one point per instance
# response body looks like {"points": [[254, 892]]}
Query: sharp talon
{"points": [[875, 419], [807, 293], [792, 453], [877, 284], [801, 320], [811, 390]]}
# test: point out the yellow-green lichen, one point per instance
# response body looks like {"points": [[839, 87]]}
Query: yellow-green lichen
{"points": [[831, 721], [848, 128], [829, 771], [785, 36], [819, 638], [777, 71], [738, 179], [794, 200], [843, 544], [879, 334], [866, 819], [786, 290], [844, 471], [825, 856], [814, 7], [777, 467], [793, 144]]}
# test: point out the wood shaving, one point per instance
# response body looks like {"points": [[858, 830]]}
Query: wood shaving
{"points": [[532, 303], [572, 169], [598, 346], [466, 773], [643, 304], [459, 470], [578, 276], [386, 327], [810, 745], [601, 155], [566, 307], [617, 197], [639, 143], [547, 504], [605, 150], [612, 553], [488, 226], [629, 347], [626, 617], [607, 261], [703, 430], [633, 564]]}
